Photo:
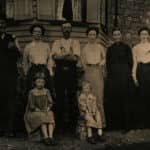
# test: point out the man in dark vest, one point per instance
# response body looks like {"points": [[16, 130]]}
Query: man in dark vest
{"points": [[66, 54]]}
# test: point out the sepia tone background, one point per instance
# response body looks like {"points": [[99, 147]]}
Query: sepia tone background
{"points": [[129, 15]]}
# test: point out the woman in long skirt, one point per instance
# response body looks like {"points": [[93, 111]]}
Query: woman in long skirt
{"points": [[93, 58], [141, 74]]}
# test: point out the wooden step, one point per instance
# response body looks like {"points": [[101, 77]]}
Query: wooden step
{"points": [[52, 33]]}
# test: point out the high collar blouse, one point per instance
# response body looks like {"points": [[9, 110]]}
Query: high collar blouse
{"points": [[93, 54], [36, 53], [141, 52]]}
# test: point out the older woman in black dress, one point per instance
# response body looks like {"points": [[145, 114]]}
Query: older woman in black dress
{"points": [[9, 55], [118, 83]]}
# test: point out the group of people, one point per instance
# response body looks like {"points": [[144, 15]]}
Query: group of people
{"points": [[127, 82], [63, 63], [56, 99]]}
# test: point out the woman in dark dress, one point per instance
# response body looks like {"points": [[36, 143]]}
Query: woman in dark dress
{"points": [[9, 55], [118, 83]]}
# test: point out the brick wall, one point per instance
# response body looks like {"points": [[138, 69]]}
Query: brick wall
{"points": [[132, 14]]}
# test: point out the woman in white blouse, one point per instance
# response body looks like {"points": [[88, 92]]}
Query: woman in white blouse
{"points": [[93, 58], [37, 57], [141, 73]]}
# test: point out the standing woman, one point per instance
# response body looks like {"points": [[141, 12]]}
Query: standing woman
{"points": [[119, 84], [9, 55], [93, 58], [141, 73]]}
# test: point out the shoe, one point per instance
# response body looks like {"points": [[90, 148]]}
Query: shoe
{"points": [[52, 142], [100, 139], [125, 131], [46, 142], [91, 140]]}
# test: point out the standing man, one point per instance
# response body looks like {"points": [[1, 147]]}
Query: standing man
{"points": [[118, 83], [9, 55], [66, 55], [37, 57]]}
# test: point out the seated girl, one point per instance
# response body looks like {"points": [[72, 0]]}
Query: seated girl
{"points": [[38, 115], [89, 113]]}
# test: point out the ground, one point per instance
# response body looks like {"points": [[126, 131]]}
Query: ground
{"points": [[114, 140]]}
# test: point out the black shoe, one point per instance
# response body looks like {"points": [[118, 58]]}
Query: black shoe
{"points": [[52, 142], [100, 139], [91, 140], [46, 142]]}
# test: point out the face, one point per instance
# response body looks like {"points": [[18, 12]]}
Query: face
{"points": [[37, 33], [39, 83], [144, 35], [117, 36], [66, 32], [86, 88], [92, 35]]}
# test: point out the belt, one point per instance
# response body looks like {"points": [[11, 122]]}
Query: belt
{"points": [[144, 63], [32, 64], [92, 65]]}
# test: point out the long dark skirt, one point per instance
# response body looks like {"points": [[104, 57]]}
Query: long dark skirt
{"points": [[143, 77], [8, 103], [119, 99]]}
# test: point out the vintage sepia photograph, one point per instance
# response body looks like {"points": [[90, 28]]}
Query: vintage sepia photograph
{"points": [[75, 74]]}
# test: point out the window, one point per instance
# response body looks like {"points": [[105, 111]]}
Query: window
{"points": [[46, 9], [93, 11], [68, 10], [23, 9], [90, 11]]}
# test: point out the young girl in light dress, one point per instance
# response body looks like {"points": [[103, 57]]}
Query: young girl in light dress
{"points": [[39, 116], [89, 112]]}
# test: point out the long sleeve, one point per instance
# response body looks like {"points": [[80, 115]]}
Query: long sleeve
{"points": [[17, 49], [103, 56], [134, 68], [50, 61], [130, 57], [83, 57], [55, 48], [108, 60], [76, 48], [26, 60]]}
